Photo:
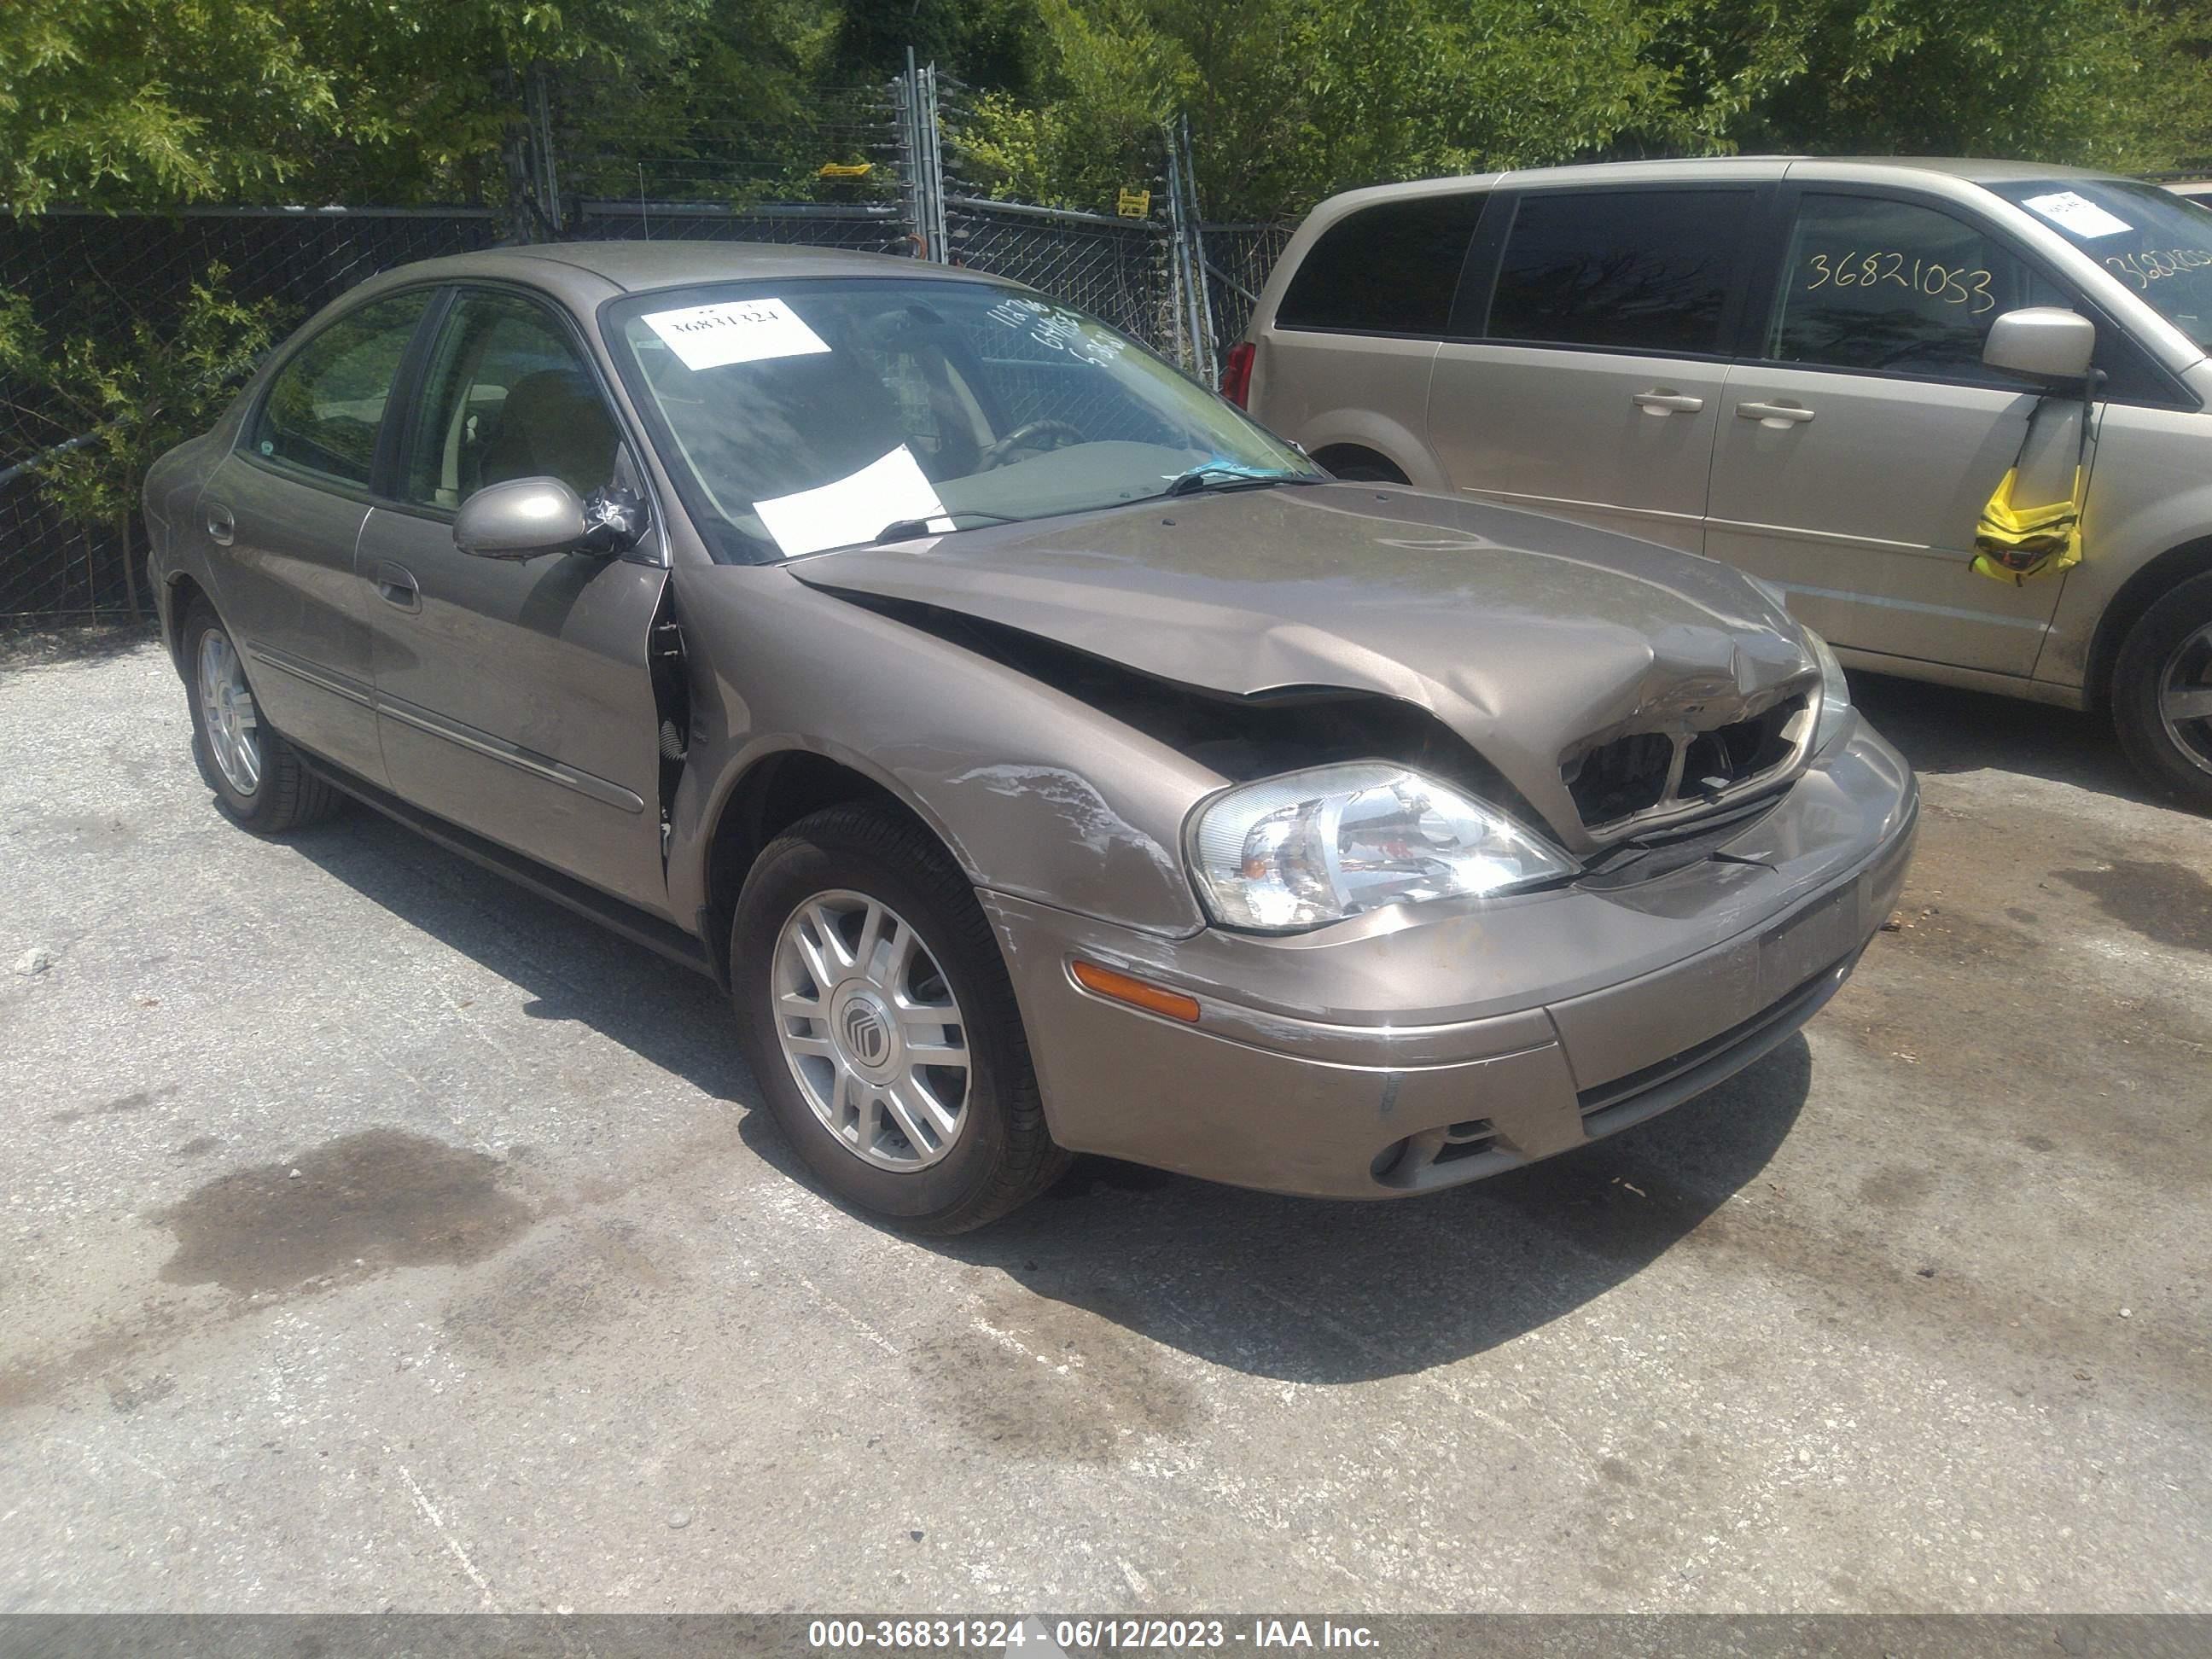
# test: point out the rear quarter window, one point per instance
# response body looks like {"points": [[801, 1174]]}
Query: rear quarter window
{"points": [[1628, 270], [1389, 269]]}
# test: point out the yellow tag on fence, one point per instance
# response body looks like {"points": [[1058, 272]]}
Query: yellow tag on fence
{"points": [[846, 169], [1134, 205]]}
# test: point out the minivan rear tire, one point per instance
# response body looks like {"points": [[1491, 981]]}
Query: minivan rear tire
{"points": [[2168, 640]]}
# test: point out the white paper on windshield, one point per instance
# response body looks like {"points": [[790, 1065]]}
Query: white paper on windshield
{"points": [[852, 509], [734, 331], [2077, 213]]}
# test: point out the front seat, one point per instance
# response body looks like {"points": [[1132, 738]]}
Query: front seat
{"points": [[553, 425]]}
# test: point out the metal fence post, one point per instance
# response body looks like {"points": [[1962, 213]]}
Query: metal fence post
{"points": [[1207, 350], [939, 247], [1190, 308], [905, 100], [921, 159], [545, 175]]}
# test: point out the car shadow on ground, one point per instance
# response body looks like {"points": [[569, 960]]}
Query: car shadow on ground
{"points": [[1941, 728], [571, 968], [1317, 1291], [1302, 1290], [42, 644]]}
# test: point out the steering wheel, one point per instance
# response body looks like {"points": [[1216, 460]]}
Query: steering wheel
{"points": [[1022, 436]]}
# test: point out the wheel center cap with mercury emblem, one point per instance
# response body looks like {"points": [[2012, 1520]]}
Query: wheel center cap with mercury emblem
{"points": [[863, 1028]]}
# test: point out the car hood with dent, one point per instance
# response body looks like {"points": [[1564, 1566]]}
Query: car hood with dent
{"points": [[1528, 636]]}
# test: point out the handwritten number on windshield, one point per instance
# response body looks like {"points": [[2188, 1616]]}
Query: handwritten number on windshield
{"points": [[1955, 285], [2155, 265]]}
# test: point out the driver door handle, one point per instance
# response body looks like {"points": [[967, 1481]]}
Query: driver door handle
{"points": [[398, 587], [1667, 403], [1774, 414]]}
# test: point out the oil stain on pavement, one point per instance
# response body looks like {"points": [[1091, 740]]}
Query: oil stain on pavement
{"points": [[2166, 903], [380, 1198]]}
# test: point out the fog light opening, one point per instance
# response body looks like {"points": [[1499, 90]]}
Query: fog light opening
{"points": [[1389, 1158], [1136, 993]]}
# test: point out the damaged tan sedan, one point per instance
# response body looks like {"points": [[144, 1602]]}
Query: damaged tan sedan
{"points": [[1045, 758]]}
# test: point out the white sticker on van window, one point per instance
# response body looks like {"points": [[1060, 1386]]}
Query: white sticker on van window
{"points": [[855, 508], [734, 331], [2070, 211]]}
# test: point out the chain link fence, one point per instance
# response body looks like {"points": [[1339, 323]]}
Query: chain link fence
{"points": [[882, 189], [91, 275]]}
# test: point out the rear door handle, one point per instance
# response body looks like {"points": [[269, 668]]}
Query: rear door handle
{"points": [[1775, 414], [1663, 401], [398, 587], [221, 527]]}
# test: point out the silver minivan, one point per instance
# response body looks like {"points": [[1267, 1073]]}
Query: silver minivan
{"points": [[1815, 370]]}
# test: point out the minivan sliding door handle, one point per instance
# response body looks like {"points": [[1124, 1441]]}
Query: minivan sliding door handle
{"points": [[1667, 403], [1774, 414]]}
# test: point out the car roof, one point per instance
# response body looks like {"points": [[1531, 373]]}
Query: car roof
{"points": [[1974, 170], [1965, 170], [1946, 175], [588, 272]]}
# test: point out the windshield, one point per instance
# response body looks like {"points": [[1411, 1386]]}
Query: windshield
{"points": [[817, 413], [2157, 243]]}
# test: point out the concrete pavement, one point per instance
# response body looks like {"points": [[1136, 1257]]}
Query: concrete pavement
{"points": [[380, 1235]]}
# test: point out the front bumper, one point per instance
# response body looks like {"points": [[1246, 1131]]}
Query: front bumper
{"points": [[1405, 1051]]}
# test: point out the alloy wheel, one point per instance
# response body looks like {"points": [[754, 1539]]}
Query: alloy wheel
{"points": [[234, 725], [871, 1030], [2184, 697]]}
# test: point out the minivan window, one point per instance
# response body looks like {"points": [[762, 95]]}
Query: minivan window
{"points": [[1872, 282], [1633, 270], [1389, 269], [325, 406], [2157, 244]]}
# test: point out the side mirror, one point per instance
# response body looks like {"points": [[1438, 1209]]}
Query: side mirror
{"points": [[2044, 343], [520, 519]]}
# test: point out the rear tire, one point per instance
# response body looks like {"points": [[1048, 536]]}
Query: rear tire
{"points": [[258, 778], [857, 946], [2162, 679]]}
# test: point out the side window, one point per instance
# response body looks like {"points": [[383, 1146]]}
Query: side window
{"points": [[1631, 270], [507, 396], [1390, 269], [325, 406], [1873, 283]]}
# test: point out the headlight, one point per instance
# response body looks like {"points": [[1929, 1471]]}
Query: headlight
{"points": [[1835, 693], [1315, 847]]}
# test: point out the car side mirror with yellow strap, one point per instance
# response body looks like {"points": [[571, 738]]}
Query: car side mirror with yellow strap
{"points": [[2015, 544], [2044, 343]]}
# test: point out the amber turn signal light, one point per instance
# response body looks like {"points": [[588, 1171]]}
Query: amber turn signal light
{"points": [[1124, 987]]}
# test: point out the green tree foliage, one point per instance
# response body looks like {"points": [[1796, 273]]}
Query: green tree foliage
{"points": [[1290, 99], [121, 396], [156, 102], [2048, 80], [145, 101]]}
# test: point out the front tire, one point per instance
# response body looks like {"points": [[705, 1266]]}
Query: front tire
{"points": [[876, 1016], [257, 776], [2162, 693]]}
